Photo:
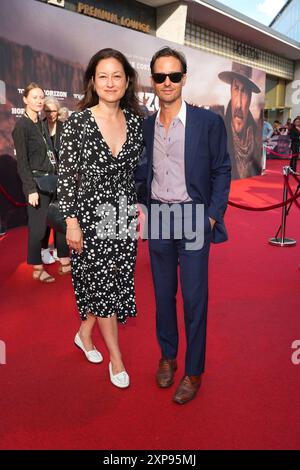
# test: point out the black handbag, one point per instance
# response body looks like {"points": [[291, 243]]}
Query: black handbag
{"points": [[46, 183], [55, 218]]}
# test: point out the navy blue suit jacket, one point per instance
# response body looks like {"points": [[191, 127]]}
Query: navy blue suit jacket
{"points": [[207, 164]]}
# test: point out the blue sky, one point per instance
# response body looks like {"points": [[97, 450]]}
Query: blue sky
{"points": [[260, 10]]}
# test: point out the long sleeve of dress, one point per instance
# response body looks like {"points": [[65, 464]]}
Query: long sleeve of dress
{"points": [[20, 140], [69, 162]]}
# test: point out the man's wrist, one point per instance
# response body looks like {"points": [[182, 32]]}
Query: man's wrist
{"points": [[212, 222]]}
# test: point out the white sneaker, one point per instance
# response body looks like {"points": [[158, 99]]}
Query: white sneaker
{"points": [[47, 258], [93, 355], [120, 380]]}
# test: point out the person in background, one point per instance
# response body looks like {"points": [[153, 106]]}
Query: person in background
{"points": [[267, 133], [102, 143], [295, 143], [34, 157], [53, 124], [54, 128], [276, 127], [283, 142], [288, 123], [267, 130]]}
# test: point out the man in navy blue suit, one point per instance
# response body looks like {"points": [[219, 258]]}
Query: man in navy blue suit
{"points": [[187, 178]]}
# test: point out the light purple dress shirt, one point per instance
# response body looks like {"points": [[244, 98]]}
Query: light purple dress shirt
{"points": [[168, 184]]}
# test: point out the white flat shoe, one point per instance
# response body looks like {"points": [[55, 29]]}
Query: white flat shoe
{"points": [[120, 380], [93, 356]]}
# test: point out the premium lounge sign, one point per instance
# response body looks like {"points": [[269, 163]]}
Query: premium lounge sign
{"points": [[112, 17]]}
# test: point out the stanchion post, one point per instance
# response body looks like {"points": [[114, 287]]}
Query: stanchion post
{"points": [[282, 240]]}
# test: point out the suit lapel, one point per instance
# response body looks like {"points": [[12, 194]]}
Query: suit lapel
{"points": [[189, 153], [150, 127]]}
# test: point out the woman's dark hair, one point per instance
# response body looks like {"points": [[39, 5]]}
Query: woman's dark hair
{"points": [[90, 98], [168, 52]]}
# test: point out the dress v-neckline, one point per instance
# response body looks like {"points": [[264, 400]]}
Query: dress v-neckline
{"points": [[115, 157]]}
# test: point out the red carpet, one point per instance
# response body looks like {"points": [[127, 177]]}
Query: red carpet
{"points": [[52, 398]]}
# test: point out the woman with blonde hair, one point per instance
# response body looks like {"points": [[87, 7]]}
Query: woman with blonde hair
{"points": [[54, 128], [53, 125]]}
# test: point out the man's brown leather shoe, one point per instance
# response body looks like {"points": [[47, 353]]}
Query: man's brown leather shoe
{"points": [[165, 372], [187, 389]]}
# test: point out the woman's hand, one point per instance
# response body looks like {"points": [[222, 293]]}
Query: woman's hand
{"points": [[74, 238], [33, 199]]}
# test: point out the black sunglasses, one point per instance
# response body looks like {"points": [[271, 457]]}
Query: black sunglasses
{"points": [[175, 77]]}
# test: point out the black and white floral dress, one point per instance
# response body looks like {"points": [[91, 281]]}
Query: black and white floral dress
{"points": [[105, 204]]}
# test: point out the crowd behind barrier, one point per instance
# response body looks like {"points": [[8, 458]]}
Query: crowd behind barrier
{"points": [[282, 141]]}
